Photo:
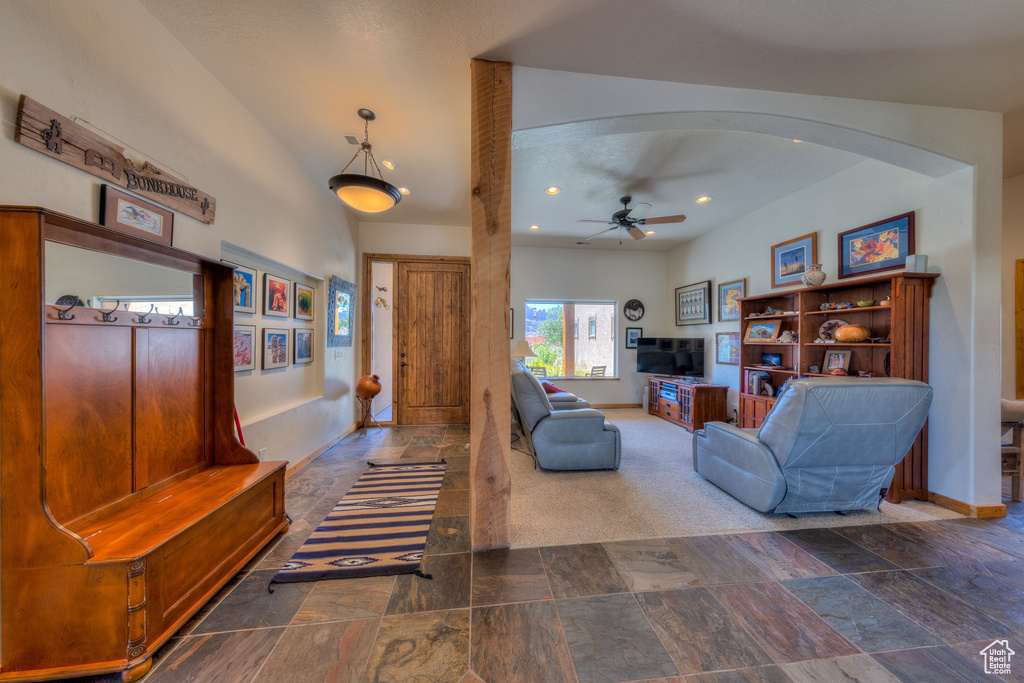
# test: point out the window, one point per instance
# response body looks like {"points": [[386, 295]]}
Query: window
{"points": [[552, 329]]}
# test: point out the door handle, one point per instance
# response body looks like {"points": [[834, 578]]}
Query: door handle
{"points": [[403, 364]]}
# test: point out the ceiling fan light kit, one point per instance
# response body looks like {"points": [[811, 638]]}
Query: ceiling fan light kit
{"points": [[367, 192], [631, 219]]}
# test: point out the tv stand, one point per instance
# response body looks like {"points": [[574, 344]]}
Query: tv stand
{"points": [[688, 403]]}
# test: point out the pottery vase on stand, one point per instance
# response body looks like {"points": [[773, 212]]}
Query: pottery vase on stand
{"points": [[814, 276], [368, 386]]}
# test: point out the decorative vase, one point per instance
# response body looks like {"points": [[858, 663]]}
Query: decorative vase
{"points": [[851, 333], [814, 276], [368, 386]]}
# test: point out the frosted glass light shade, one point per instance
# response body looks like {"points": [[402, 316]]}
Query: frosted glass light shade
{"points": [[365, 193]]}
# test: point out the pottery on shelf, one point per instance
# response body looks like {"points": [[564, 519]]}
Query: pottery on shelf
{"points": [[887, 301], [368, 386], [866, 303], [851, 333], [839, 372], [814, 276]]}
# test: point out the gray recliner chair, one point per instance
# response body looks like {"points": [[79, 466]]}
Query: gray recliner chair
{"points": [[573, 439], [828, 444]]}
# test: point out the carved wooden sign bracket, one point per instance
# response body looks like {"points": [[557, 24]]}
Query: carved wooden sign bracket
{"points": [[60, 138]]}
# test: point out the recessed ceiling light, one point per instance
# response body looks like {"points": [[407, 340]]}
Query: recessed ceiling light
{"points": [[405, 190], [797, 140], [706, 198], [649, 232], [553, 190], [534, 227], [390, 164]]}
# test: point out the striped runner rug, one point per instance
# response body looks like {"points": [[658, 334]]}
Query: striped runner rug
{"points": [[378, 529]]}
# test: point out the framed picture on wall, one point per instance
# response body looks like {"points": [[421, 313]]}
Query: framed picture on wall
{"points": [[303, 302], [244, 289], [884, 245], [727, 348], [275, 348], [693, 304], [340, 315], [245, 347], [790, 259], [303, 346], [276, 293], [729, 295], [130, 215], [632, 335]]}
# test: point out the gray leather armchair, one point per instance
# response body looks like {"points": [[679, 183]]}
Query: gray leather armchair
{"points": [[573, 439], [828, 444]]}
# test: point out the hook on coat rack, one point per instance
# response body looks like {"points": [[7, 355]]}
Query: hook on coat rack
{"points": [[108, 316], [173, 319], [198, 322], [144, 317], [69, 300]]}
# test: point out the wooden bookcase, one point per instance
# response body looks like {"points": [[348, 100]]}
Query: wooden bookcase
{"points": [[904, 324], [685, 404]]}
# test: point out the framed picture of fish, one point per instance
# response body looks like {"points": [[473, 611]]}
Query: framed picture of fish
{"points": [[130, 215], [870, 249]]}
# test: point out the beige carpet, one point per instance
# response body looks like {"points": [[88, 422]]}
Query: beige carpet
{"points": [[654, 494]]}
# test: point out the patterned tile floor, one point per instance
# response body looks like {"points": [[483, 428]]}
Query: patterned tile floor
{"points": [[901, 602]]}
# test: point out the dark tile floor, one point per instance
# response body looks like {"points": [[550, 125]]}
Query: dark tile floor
{"points": [[867, 604]]}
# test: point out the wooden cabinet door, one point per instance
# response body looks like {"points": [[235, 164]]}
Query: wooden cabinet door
{"points": [[433, 342]]}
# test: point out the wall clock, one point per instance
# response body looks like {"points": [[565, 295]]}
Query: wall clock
{"points": [[633, 310]]}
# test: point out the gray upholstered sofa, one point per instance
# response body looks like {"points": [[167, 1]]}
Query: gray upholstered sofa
{"points": [[829, 444], [563, 434]]}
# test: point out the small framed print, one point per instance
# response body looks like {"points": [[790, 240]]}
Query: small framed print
{"points": [[130, 215], [762, 332], [303, 302], [773, 360], [836, 360], [632, 335], [790, 259], [244, 289], [727, 348], [275, 348], [276, 292], [303, 346], [729, 295], [693, 304], [245, 347]]}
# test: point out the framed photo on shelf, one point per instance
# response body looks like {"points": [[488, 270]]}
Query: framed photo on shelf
{"points": [[727, 348], [772, 359], [303, 346], [303, 302], [693, 304], [340, 314], [835, 360], [884, 245], [729, 295], [275, 348], [632, 335], [244, 289], [276, 292], [130, 215], [762, 331], [790, 259], [245, 347]]}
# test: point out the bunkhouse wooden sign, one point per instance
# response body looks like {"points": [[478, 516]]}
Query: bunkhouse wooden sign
{"points": [[60, 138]]}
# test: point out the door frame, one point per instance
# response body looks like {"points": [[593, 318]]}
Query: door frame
{"points": [[1019, 325], [396, 302]]}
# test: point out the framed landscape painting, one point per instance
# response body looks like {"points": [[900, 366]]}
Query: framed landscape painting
{"points": [[276, 292], [275, 348], [693, 304], [245, 347], [762, 332], [303, 302], [632, 335], [790, 259], [341, 316], [729, 295], [880, 246], [727, 348], [244, 289]]}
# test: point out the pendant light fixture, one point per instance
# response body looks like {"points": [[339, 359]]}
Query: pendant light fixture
{"points": [[369, 191]]}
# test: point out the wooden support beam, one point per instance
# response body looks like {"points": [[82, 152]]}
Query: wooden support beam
{"points": [[490, 390]]}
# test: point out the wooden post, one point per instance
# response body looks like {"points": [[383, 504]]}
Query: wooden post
{"points": [[490, 390], [1019, 325]]}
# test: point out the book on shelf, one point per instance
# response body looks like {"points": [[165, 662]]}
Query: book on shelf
{"points": [[754, 379]]}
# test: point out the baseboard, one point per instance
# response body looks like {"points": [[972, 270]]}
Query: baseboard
{"points": [[616, 405], [977, 511], [294, 468]]}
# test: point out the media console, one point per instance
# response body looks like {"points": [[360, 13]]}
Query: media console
{"points": [[686, 403]]}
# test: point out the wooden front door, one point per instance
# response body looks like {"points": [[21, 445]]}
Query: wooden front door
{"points": [[433, 342]]}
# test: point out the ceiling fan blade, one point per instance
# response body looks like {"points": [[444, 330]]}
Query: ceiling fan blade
{"points": [[589, 221], [639, 211], [615, 227], [636, 233], [664, 219]]}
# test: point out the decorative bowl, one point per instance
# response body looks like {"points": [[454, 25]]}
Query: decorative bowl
{"points": [[885, 302], [838, 372], [851, 333], [866, 303]]}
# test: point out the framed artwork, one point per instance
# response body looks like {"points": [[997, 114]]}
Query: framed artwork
{"points": [[772, 359], [729, 295], [340, 316], [762, 331], [275, 348], [511, 323], [790, 259], [884, 245], [303, 302], [693, 304], [632, 335], [633, 310], [303, 346], [130, 215], [835, 360], [245, 347], [276, 292], [244, 289], [727, 348]]}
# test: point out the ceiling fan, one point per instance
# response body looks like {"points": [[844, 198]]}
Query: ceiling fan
{"points": [[631, 219]]}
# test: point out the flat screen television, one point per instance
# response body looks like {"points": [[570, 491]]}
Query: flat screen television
{"points": [[665, 356]]}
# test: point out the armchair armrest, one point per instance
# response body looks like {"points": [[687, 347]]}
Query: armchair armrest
{"points": [[738, 462], [571, 426]]}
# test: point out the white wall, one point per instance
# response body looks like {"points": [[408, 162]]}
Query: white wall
{"points": [[863, 194], [1013, 249], [414, 240], [596, 274], [116, 68]]}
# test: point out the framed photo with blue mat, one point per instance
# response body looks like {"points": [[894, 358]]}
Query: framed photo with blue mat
{"points": [[790, 259], [883, 245]]}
